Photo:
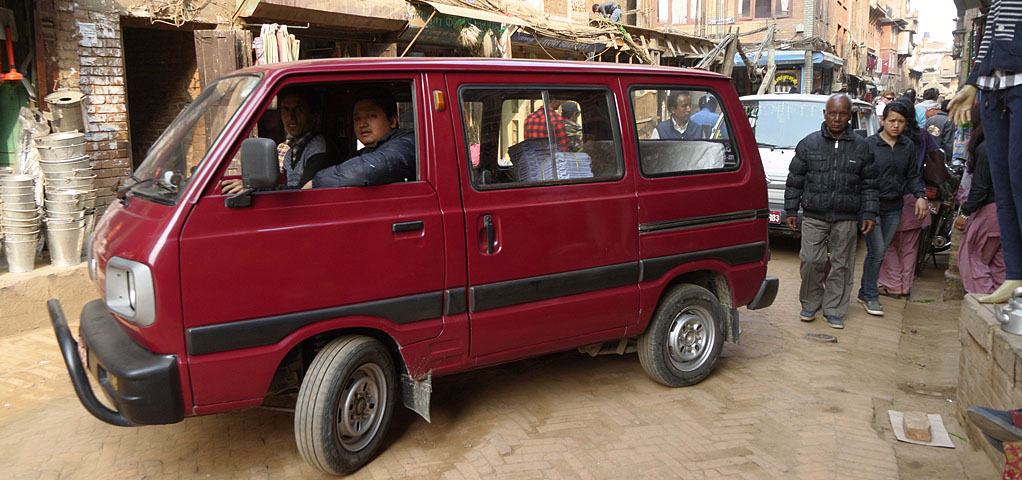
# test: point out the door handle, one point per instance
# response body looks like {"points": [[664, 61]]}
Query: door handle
{"points": [[406, 226], [491, 234]]}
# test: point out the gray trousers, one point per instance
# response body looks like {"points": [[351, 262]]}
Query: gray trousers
{"points": [[831, 293]]}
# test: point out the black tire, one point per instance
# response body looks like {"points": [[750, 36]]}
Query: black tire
{"points": [[684, 338], [345, 404]]}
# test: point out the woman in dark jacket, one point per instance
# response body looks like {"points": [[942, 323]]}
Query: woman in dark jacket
{"points": [[895, 158], [899, 266], [980, 259]]}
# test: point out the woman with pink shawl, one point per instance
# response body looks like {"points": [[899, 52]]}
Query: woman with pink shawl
{"points": [[899, 267], [980, 259]]}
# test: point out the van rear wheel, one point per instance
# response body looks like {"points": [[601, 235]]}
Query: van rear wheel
{"points": [[683, 341], [345, 404]]}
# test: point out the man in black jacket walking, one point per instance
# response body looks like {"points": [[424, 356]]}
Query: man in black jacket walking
{"points": [[833, 178]]}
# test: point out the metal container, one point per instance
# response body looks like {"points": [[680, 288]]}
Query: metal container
{"points": [[17, 198], [21, 205], [66, 194], [61, 153], [20, 253], [67, 164], [21, 214], [66, 111], [1010, 315], [17, 181], [65, 205], [62, 139], [20, 229]]}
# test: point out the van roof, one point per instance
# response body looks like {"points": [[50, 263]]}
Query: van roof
{"points": [[470, 64], [796, 97]]}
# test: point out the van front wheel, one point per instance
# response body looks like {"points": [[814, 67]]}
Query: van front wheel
{"points": [[345, 404], [683, 341]]}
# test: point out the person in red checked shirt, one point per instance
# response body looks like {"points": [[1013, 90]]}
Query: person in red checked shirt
{"points": [[536, 124]]}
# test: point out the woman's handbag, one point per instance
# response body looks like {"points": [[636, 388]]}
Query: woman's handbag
{"points": [[934, 171]]}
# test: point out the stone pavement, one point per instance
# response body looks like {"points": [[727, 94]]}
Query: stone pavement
{"points": [[777, 406]]}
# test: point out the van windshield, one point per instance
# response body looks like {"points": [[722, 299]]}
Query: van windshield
{"points": [[782, 124], [169, 165]]}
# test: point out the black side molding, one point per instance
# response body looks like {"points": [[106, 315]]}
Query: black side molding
{"points": [[545, 287], [703, 221], [455, 301], [269, 330], [654, 268]]}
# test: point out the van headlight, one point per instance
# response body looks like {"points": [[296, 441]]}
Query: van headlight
{"points": [[130, 292]]}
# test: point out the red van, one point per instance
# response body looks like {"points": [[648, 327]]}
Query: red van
{"points": [[546, 206]]}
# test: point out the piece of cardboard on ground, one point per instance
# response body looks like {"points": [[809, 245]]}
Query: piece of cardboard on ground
{"points": [[938, 433]]}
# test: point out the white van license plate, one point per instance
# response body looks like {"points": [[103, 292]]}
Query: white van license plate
{"points": [[774, 217]]}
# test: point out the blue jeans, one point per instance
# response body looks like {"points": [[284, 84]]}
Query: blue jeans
{"points": [[1001, 111], [877, 242], [616, 16]]}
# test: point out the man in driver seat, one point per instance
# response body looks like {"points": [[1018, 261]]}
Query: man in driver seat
{"points": [[305, 145]]}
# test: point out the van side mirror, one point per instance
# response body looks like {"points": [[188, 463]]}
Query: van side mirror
{"points": [[259, 169], [860, 132]]}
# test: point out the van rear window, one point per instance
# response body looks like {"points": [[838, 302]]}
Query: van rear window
{"points": [[514, 139], [681, 131]]}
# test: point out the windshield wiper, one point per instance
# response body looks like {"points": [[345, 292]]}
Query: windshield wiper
{"points": [[159, 182]]}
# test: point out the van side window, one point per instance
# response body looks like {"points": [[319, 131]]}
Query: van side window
{"points": [[514, 139], [316, 128], [681, 131]]}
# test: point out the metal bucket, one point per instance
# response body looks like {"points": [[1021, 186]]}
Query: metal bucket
{"points": [[24, 215], [65, 245], [17, 198], [61, 139], [20, 205], [17, 181], [65, 205], [62, 152], [66, 194], [80, 183], [20, 254], [64, 216], [66, 111], [26, 229], [15, 190], [65, 165]]}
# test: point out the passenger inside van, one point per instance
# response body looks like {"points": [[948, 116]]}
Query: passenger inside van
{"points": [[679, 126], [306, 149], [536, 124], [389, 153]]}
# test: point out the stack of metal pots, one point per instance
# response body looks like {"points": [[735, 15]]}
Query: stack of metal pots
{"points": [[20, 223], [70, 195]]}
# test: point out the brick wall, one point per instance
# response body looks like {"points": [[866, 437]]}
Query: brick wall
{"points": [[989, 368], [90, 57], [159, 86]]}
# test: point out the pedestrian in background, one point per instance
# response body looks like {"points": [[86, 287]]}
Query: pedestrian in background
{"points": [[942, 130], [896, 165], [833, 179], [980, 260], [899, 266], [910, 94], [928, 107], [883, 100]]}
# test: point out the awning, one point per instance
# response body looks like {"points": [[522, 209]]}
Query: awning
{"points": [[476, 14], [378, 15], [795, 57], [964, 5]]}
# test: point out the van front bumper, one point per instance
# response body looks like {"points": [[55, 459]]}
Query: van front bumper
{"points": [[144, 387]]}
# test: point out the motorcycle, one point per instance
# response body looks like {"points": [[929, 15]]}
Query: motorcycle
{"points": [[944, 208]]}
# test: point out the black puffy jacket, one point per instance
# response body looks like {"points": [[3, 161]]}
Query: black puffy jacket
{"points": [[897, 170], [832, 179]]}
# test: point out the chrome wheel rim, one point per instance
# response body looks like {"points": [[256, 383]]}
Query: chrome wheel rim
{"points": [[361, 406], [690, 338]]}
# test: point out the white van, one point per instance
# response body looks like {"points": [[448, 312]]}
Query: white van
{"points": [[779, 121]]}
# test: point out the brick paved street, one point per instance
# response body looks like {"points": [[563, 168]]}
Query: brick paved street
{"points": [[778, 406]]}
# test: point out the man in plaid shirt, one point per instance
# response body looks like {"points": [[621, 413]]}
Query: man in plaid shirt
{"points": [[536, 127]]}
